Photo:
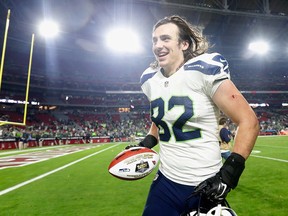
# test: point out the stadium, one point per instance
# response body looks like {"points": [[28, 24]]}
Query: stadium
{"points": [[70, 102]]}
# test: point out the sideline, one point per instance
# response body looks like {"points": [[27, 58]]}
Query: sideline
{"points": [[53, 171]]}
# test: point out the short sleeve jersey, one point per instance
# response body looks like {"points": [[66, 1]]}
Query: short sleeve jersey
{"points": [[182, 108]]}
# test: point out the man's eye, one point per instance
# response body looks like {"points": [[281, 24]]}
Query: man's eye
{"points": [[165, 39]]}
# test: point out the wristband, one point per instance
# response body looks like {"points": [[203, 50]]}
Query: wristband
{"points": [[149, 141], [232, 169]]}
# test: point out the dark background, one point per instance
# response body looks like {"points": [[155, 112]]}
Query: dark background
{"points": [[78, 61]]}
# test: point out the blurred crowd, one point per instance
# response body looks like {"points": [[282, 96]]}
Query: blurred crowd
{"points": [[76, 123], [81, 125]]}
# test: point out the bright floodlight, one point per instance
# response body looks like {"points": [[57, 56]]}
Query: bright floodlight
{"points": [[259, 47], [123, 40], [49, 29]]}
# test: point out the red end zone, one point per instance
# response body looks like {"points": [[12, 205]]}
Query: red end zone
{"points": [[38, 156]]}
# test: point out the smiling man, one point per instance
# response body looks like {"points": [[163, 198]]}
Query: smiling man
{"points": [[168, 49], [187, 87]]}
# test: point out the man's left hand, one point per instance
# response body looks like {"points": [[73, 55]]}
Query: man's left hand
{"points": [[213, 189]]}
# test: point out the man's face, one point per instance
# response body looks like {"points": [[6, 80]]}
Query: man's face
{"points": [[166, 47]]}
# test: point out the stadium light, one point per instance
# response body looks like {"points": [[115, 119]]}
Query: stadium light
{"points": [[123, 40], [48, 29], [255, 105], [259, 47]]}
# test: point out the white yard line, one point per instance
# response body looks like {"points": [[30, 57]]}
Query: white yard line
{"points": [[53, 171], [271, 146], [269, 158]]}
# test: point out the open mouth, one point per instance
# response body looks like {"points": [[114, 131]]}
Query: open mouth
{"points": [[161, 56]]}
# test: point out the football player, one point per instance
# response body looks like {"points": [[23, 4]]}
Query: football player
{"points": [[187, 87]]}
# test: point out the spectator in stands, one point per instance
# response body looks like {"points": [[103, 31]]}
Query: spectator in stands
{"points": [[24, 139], [88, 137], [224, 138], [18, 135], [37, 138], [186, 88], [58, 137]]}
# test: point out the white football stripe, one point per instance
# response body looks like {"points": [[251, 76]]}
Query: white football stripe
{"points": [[269, 158], [53, 171]]}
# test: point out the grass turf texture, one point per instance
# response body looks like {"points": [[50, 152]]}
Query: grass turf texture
{"points": [[86, 188]]}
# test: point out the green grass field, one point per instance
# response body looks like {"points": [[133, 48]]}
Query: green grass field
{"points": [[86, 188]]}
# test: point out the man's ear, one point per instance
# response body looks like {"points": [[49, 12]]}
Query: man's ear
{"points": [[185, 45]]}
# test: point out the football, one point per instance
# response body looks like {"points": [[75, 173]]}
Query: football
{"points": [[134, 163]]}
